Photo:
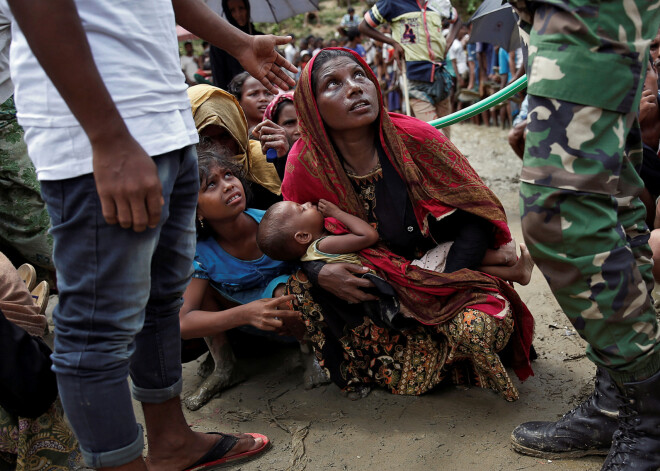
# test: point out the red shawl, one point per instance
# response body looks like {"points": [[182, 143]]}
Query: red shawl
{"points": [[439, 179]]}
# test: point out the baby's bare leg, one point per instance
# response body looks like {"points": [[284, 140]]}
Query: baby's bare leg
{"points": [[520, 272]]}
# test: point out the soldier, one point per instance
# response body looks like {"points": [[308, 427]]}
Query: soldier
{"points": [[584, 222]]}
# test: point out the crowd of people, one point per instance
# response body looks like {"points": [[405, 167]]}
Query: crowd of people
{"points": [[265, 189]]}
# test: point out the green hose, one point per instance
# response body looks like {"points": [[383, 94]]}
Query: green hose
{"points": [[488, 102]]}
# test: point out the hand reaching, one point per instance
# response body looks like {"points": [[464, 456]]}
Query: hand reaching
{"points": [[265, 64]]}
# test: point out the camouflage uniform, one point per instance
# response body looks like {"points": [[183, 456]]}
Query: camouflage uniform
{"points": [[24, 221], [581, 213]]}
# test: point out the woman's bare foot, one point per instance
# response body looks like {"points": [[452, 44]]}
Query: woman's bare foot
{"points": [[521, 271], [358, 392], [314, 375]]}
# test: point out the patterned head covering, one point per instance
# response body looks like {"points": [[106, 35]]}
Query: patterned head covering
{"points": [[272, 106], [212, 106]]}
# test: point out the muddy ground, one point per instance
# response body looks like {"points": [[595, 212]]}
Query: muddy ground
{"points": [[452, 428]]}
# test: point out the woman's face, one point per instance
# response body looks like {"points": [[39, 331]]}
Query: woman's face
{"points": [[289, 121], [221, 196], [345, 96], [220, 139], [254, 100], [238, 12]]}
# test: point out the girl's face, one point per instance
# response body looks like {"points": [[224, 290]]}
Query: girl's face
{"points": [[254, 100], [238, 12], [289, 121], [221, 196]]}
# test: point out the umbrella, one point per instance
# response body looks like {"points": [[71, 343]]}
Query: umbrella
{"points": [[271, 11], [496, 24]]}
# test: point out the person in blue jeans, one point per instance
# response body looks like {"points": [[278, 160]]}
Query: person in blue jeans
{"points": [[114, 149]]}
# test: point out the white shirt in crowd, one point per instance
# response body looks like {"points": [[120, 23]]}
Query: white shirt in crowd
{"points": [[457, 51], [6, 87], [189, 66], [135, 48]]}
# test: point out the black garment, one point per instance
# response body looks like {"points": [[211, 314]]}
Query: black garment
{"points": [[398, 228], [27, 384], [650, 171], [223, 66], [261, 198]]}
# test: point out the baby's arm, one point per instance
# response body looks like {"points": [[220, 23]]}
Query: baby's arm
{"points": [[362, 234]]}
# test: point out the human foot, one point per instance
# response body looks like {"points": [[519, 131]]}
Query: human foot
{"points": [[216, 382], [207, 451], [358, 392], [522, 270], [313, 375]]}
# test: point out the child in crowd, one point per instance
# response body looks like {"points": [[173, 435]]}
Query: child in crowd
{"points": [[291, 231]]}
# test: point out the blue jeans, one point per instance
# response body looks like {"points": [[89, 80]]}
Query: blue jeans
{"points": [[119, 299]]}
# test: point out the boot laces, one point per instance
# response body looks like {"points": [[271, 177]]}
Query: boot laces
{"points": [[624, 439]]}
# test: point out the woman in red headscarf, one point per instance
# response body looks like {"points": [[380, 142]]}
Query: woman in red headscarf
{"points": [[416, 188]]}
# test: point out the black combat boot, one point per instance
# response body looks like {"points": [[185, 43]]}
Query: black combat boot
{"points": [[585, 430], [636, 444]]}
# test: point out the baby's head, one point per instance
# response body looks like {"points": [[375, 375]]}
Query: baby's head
{"points": [[287, 229]]}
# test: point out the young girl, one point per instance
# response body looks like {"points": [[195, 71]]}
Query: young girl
{"points": [[234, 284]]}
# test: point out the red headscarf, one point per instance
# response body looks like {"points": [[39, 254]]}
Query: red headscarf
{"points": [[438, 179], [282, 97]]}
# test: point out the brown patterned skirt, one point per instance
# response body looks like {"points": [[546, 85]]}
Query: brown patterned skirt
{"points": [[357, 350]]}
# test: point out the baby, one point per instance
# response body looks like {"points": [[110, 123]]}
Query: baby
{"points": [[292, 231]]}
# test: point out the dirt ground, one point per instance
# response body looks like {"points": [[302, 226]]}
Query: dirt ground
{"points": [[453, 428]]}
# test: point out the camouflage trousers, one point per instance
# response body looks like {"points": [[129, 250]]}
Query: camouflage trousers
{"points": [[581, 214], [24, 220]]}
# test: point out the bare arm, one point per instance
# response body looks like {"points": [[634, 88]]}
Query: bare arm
{"points": [[362, 234], [262, 314], [256, 54], [366, 29], [126, 178]]}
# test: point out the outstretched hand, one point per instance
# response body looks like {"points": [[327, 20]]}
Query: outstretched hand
{"points": [[265, 64]]}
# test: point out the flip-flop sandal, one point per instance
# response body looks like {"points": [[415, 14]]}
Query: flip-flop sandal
{"points": [[216, 456]]}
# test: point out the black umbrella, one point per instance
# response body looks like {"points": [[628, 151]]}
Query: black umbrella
{"points": [[496, 24]]}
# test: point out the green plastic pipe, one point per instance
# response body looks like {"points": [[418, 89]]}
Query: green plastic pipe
{"points": [[488, 102]]}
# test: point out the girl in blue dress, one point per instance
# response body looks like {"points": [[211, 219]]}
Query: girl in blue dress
{"points": [[234, 284]]}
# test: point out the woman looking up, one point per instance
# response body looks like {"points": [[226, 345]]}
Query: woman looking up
{"points": [[415, 187]]}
